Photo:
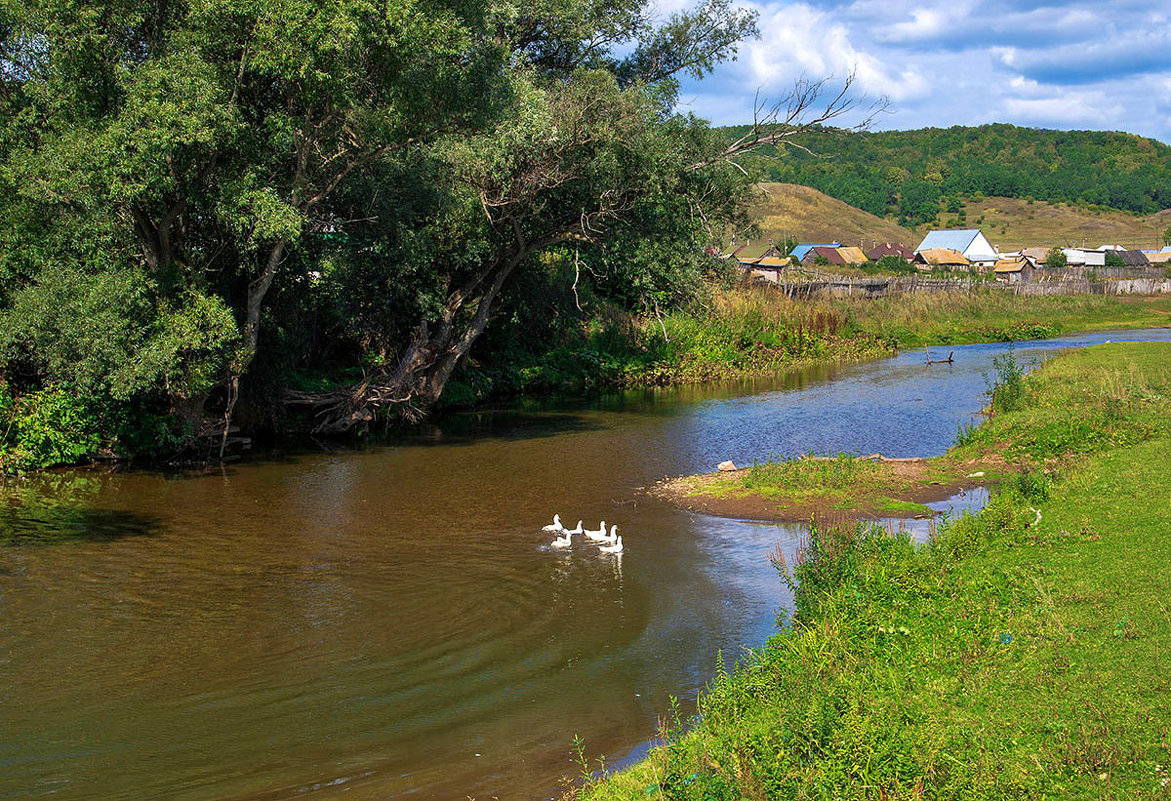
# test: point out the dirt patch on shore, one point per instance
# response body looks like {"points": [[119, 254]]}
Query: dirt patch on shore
{"points": [[900, 488]]}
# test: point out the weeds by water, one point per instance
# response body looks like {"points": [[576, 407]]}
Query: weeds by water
{"points": [[1007, 390]]}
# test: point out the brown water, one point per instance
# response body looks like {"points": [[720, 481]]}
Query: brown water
{"points": [[390, 620]]}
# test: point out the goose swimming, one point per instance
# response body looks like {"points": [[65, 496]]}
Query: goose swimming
{"points": [[555, 527], [577, 530], [563, 542], [611, 538], [615, 548], [599, 535]]}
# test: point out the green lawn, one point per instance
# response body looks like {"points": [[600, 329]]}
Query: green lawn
{"points": [[1003, 659]]}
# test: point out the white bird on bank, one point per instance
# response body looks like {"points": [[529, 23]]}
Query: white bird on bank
{"points": [[615, 548], [599, 535], [555, 527], [577, 530], [563, 542]]}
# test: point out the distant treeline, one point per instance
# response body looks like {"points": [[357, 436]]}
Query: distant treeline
{"points": [[912, 175]]}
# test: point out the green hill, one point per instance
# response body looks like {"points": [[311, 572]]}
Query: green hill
{"points": [[914, 176]]}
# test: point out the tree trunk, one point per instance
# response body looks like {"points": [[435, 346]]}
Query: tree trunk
{"points": [[426, 364], [256, 292]]}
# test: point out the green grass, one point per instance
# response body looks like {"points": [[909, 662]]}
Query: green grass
{"points": [[989, 315], [839, 482], [1002, 659], [841, 472]]}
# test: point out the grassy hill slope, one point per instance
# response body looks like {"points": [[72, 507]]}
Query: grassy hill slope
{"points": [[1009, 223], [1012, 223], [810, 216]]}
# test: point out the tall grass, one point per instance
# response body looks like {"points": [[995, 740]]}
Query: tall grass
{"points": [[744, 331]]}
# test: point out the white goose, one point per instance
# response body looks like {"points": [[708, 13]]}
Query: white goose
{"points": [[615, 548], [611, 538], [555, 527], [599, 535], [563, 542], [577, 530]]}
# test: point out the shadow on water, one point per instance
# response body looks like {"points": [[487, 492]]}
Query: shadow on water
{"points": [[47, 524], [56, 508]]}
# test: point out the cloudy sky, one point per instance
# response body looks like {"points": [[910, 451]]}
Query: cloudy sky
{"points": [[1102, 65]]}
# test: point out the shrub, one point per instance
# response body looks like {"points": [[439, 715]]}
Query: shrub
{"points": [[52, 426], [1008, 390]]}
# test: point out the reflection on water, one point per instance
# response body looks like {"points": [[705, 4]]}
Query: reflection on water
{"points": [[59, 506], [389, 619]]}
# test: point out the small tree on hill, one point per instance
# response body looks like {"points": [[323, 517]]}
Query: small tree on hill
{"points": [[1055, 259], [1167, 237]]}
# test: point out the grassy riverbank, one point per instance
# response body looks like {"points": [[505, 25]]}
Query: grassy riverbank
{"points": [[838, 486], [1006, 658], [743, 332]]}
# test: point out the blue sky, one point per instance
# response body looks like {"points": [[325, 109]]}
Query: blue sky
{"points": [[1094, 65]]}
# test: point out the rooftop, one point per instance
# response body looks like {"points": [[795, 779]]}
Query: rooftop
{"points": [[952, 240]]}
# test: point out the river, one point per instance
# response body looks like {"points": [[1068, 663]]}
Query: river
{"points": [[388, 620]]}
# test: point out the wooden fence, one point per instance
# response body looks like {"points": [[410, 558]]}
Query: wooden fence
{"points": [[876, 287]]}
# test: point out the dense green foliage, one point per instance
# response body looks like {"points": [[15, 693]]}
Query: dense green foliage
{"points": [[1012, 655], [214, 201], [913, 175]]}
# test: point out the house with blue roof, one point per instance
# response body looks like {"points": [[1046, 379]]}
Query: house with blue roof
{"points": [[971, 243], [801, 251]]}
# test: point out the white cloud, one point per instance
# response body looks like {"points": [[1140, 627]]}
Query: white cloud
{"points": [[1006, 55], [925, 23], [1067, 63], [799, 40], [1067, 109]]}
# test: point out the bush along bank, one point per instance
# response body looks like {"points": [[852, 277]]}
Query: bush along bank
{"points": [[1021, 652], [754, 331]]}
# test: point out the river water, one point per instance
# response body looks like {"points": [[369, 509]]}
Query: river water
{"points": [[389, 620]]}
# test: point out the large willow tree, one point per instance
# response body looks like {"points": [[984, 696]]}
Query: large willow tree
{"points": [[167, 164]]}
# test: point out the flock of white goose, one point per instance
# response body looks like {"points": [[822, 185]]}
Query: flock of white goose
{"points": [[607, 543]]}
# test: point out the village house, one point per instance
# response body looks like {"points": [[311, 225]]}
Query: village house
{"points": [[942, 257], [852, 256], [1039, 257], [760, 262], [1134, 258], [974, 246], [801, 251], [1159, 256], [1078, 257], [888, 249], [1018, 268], [830, 254]]}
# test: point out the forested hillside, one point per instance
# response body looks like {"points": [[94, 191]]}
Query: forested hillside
{"points": [[914, 175]]}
